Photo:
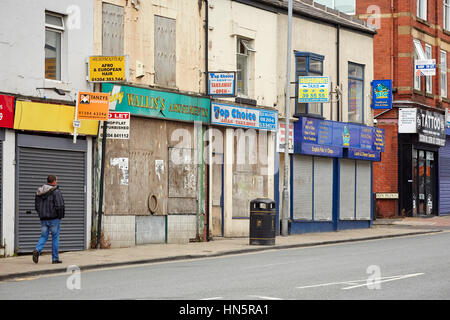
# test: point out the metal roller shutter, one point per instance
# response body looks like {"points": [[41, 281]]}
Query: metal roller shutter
{"points": [[323, 189], [34, 165], [363, 188], [302, 185], [444, 178], [347, 187]]}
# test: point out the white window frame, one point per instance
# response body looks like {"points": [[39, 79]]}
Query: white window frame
{"points": [[429, 79], [446, 15], [422, 9], [443, 74], [419, 54], [248, 49], [60, 30]]}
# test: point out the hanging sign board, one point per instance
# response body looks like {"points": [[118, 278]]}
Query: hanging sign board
{"points": [[92, 106], [281, 138], [108, 69], [313, 89], [222, 84], [425, 67], [118, 126], [382, 94], [407, 120]]}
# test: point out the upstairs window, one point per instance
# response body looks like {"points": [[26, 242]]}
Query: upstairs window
{"points": [[54, 28], [244, 49], [355, 92], [346, 6], [422, 9], [429, 79], [447, 15], [308, 65]]}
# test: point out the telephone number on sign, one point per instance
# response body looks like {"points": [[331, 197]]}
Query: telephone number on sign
{"points": [[108, 79]]}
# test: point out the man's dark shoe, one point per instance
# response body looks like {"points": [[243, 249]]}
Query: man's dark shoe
{"points": [[56, 261], [35, 256]]}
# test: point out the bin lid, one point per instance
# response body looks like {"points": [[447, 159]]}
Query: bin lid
{"points": [[262, 200]]}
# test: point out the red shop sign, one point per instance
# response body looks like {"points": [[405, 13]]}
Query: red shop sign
{"points": [[6, 111]]}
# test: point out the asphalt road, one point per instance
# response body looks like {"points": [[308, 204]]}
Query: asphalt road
{"points": [[407, 268]]}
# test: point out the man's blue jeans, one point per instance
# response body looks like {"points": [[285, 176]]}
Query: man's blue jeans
{"points": [[50, 226]]}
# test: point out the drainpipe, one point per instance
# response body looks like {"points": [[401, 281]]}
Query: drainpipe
{"points": [[207, 167]]}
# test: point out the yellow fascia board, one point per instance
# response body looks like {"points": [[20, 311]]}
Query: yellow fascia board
{"points": [[35, 116]]}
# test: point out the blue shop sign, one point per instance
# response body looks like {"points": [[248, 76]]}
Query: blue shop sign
{"points": [[329, 138], [382, 94], [237, 116]]}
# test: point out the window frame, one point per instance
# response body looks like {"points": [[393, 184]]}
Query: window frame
{"points": [[306, 72], [248, 50], [428, 79], [422, 9], [59, 30], [362, 79], [446, 15], [417, 56], [444, 84]]}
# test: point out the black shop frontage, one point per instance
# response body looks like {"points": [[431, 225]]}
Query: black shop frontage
{"points": [[421, 135]]}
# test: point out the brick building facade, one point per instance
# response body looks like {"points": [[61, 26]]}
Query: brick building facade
{"points": [[408, 167]]}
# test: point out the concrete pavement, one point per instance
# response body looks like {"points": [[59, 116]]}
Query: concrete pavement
{"points": [[23, 266]]}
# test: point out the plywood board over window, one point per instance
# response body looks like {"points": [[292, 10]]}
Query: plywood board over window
{"points": [[112, 29], [165, 51]]}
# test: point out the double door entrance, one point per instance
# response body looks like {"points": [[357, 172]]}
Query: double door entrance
{"points": [[423, 182]]}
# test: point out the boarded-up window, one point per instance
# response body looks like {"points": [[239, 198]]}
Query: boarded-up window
{"points": [[182, 181], [165, 51], [112, 30]]}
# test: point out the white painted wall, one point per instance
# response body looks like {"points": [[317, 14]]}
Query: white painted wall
{"points": [[8, 189], [22, 40], [229, 19]]}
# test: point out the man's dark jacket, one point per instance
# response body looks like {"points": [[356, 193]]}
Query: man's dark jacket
{"points": [[49, 202]]}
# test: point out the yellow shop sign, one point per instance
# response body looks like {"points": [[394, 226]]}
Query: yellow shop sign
{"points": [[108, 68]]}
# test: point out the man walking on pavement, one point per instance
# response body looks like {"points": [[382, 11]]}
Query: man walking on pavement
{"points": [[49, 204]]}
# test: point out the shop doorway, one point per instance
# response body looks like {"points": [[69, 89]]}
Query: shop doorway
{"points": [[424, 182]]}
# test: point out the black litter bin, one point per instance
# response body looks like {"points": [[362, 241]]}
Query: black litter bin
{"points": [[262, 221]]}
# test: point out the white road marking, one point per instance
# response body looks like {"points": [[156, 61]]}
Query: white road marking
{"points": [[213, 298], [266, 298], [387, 280], [354, 284]]}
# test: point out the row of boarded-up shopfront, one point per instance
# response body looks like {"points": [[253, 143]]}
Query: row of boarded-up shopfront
{"points": [[184, 170]]}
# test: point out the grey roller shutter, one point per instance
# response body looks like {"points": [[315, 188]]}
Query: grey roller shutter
{"points": [[444, 178], [363, 188], [34, 165], [302, 183], [323, 189], [347, 187]]}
